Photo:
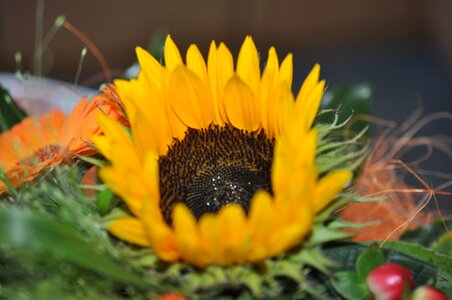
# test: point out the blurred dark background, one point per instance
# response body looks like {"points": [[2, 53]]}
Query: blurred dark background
{"points": [[403, 48]]}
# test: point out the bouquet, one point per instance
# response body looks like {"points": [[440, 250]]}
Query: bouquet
{"points": [[208, 177]]}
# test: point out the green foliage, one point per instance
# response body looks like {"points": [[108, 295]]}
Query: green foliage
{"points": [[10, 112], [52, 243], [41, 233], [443, 245], [350, 286], [351, 100], [427, 235], [431, 243], [334, 150]]}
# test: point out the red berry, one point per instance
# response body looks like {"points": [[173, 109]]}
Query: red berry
{"points": [[390, 282], [172, 296], [428, 293]]}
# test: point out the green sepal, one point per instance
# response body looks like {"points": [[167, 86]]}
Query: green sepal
{"points": [[356, 100], [335, 158], [103, 200], [290, 268], [321, 234], [315, 258]]}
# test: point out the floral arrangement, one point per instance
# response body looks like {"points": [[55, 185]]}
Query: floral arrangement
{"points": [[207, 178]]}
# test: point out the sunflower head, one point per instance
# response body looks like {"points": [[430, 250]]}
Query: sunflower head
{"points": [[218, 166]]}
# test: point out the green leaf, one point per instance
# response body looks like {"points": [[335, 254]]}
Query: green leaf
{"points": [[43, 234], [439, 260], [368, 260], [10, 112], [426, 235], [350, 286], [444, 282], [443, 245], [354, 100], [103, 200]]}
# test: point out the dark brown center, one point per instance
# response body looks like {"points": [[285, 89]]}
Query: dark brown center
{"points": [[213, 167]]}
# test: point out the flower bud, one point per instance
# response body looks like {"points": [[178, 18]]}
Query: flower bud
{"points": [[428, 293], [390, 282]]}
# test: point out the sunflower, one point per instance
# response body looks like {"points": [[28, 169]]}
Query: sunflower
{"points": [[36, 144], [218, 166]]}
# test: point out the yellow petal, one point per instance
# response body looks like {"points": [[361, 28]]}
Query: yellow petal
{"points": [[151, 177], [284, 113], [241, 105], [212, 66], [183, 220], [286, 71], [261, 224], [149, 66], [308, 110], [161, 235], [115, 131], [130, 230], [115, 135], [309, 83], [248, 64], [329, 186], [212, 241], [190, 99], [220, 69], [196, 63], [178, 128], [234, 232], [285, 239], [172, 54], [188, 235], [125, 185], [152, 133], [125, 90], [266, 95]]}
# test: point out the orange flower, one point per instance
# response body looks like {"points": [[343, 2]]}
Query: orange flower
{"points": [[36, 144]]}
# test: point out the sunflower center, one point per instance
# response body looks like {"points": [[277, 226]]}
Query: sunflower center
{"points": [[211, 168]]}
